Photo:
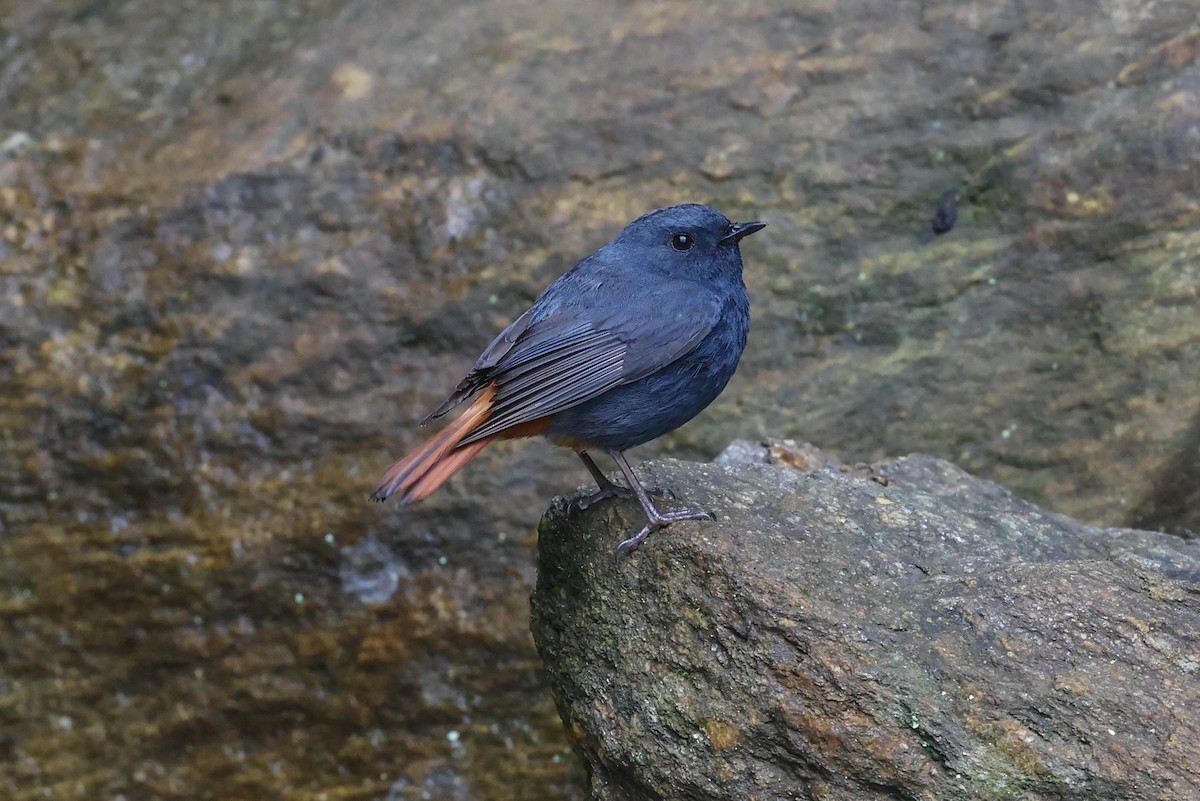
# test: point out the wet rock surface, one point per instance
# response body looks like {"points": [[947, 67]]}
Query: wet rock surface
{"points": [[246, 246], [897, 630]]}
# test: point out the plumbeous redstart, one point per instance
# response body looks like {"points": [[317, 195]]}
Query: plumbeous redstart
{"points": [[630, 343]]}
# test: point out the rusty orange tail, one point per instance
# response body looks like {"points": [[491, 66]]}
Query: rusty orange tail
{"points": [[431, 465]]}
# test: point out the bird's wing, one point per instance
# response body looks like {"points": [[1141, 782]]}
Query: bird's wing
{"points": [[567, 359], [481, 373], [681, 314]]}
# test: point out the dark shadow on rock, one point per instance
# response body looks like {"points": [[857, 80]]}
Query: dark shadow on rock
{"points": [[898, 630]]}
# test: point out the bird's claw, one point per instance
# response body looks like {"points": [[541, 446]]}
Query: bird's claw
{"points": [[662, 520], [630, 545], [584, 502]]}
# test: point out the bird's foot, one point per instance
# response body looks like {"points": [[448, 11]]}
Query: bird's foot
{"points": [[657, 521], [584, 502]]}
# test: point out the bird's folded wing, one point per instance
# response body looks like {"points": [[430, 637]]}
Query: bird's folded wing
{"points": [[684, 314], [562, 361], [479, 375]]}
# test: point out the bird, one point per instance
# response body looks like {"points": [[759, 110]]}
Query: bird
{"points": [[629, 344]]}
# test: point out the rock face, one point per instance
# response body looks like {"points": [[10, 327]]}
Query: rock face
{"points": [[246, 245], [901, 631]]}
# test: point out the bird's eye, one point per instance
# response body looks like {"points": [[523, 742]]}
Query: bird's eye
{"points": [[682, 242]]}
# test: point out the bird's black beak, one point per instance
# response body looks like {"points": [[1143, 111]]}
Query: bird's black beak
{"points": [[740, 231]]}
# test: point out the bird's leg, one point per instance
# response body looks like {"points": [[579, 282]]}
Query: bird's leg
{"points": [[655, 519], [607, 488]]}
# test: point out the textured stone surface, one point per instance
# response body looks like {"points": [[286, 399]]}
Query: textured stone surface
{"points": [[911, 633], [245, 246]]}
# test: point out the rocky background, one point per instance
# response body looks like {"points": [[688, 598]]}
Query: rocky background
{"points": [[246, 246]]}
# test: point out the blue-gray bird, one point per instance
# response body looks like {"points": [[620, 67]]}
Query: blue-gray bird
{"points": [[630, 343]]}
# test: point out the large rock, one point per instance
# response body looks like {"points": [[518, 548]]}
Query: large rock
{"points": [[903, 630]]}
